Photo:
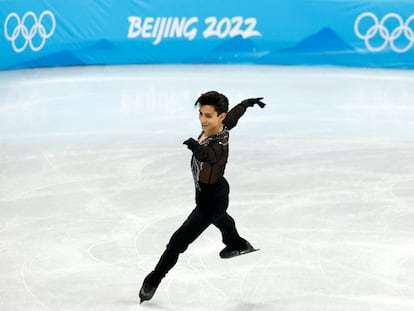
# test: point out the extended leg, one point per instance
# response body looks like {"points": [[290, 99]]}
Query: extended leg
{"points": [[180, 240]]}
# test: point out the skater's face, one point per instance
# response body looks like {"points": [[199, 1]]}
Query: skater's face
{"points": [[210, 120]]}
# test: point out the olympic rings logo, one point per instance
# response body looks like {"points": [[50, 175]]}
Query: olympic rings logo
{"points": [[399, 31], [29, 31]]}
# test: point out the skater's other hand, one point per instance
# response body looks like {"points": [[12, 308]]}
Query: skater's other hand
{"points": [[192, 144]]}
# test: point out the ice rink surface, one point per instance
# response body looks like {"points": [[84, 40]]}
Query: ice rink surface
{"points": [[94, 179]]}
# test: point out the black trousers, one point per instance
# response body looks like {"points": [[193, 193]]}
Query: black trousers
{"points": [[211, 205]]}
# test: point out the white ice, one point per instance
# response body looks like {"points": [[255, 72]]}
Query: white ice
{"points": [[94, 179]]}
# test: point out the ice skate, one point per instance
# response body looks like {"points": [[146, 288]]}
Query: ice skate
{"points": [[228, 252], [147, 290]]}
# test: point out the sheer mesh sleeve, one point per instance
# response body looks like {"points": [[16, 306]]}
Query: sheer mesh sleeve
{"points": [[212, 152], [233, 116]]}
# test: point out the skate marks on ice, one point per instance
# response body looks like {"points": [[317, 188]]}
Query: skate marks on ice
{"points": [[72, 225], [342, 220]]}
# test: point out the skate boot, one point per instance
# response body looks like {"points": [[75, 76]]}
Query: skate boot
{"points": [[228, 252], [148, 288]]}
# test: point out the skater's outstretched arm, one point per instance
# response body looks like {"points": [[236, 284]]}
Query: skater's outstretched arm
{"points": [[237, 111]]}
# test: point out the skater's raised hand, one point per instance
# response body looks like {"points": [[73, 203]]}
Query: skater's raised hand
{"points": [[250, 102]]}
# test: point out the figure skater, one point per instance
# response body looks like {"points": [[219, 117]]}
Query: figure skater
{"points": [[208, 162]]}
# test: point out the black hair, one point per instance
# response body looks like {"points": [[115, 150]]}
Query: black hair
{"points": [[215, 99]]}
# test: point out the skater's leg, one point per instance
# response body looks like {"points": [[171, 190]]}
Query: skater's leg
{"points": [[223, 221], [227, 226], [189, 231], [235, 245], [195, 224]]}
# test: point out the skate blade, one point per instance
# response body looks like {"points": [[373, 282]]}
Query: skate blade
{"points": [[242, 253], [145, 296], [142, 299]]}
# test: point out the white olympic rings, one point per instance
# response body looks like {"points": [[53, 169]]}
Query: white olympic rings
{"points": [[388, 35], [21, 30]]}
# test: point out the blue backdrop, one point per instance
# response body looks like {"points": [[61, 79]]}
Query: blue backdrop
{"points": [[285, 32]]}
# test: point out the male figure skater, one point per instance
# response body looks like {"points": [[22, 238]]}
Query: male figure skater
{"points": [[209, 158]]}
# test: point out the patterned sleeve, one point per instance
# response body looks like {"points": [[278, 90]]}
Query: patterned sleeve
{"points": [[233, 116]]}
